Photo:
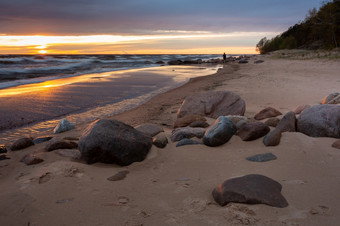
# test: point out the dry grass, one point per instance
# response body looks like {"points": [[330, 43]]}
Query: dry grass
{"points": [[300, 54]]}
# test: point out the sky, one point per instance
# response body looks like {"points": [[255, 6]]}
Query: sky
{"points": [[144, 26]]}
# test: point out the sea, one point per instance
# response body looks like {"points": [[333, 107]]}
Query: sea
{"points": [[134, 80], [25, 69]]}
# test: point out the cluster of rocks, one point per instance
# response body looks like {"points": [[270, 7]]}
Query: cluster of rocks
{"points": [[112, 141], [52, 144], [243, 59]]}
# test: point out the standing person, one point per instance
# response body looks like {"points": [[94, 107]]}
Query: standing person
{"points": [[224, 58]]}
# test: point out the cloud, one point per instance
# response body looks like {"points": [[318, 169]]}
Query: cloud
{"points": [[79, 17]]}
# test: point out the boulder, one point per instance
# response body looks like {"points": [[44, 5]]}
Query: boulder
{"points": [[272, 138], [187, 142], [237, 118], [212, 104], [187, 120], [268, 112], [112, 141], [150, 129], [63, 126], [333, 98], [186, 132], [287, 123], [22, 143], [253, 131], [175, 62], [31, 159], [220, 133], [160, 141], [200, 124], [262, 157], [243, 62], [41, 140], [336, 144], [3, 149], [258, 61], [272, 122], [55, 144], [320, 121], [301, 108], [250, 189], [240, 124]]}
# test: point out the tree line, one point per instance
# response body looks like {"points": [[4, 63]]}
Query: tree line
{"points": [[319, 30]]}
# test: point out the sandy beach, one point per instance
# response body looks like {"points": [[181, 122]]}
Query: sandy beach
{"points": [[173, 186]]}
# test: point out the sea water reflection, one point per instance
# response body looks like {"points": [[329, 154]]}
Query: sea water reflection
{"points": [[85, 98]]}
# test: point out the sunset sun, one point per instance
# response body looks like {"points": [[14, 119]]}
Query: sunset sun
{"points": [[42, 51]]}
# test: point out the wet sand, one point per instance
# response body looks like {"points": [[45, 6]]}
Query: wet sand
{"points": [[173, 185], [102, 94]]}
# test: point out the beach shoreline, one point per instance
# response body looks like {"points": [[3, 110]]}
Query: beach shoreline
{"points": [[83, 98], [173, 186]]}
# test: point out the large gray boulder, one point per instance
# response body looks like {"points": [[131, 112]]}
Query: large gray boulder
{"points": [[250, 189], [220, 133], [212, 104], [320, 121], [112, 141]]}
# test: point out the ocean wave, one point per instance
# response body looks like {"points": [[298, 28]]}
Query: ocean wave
{"points": [[28, 67]]}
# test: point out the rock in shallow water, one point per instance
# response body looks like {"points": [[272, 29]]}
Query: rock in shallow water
{"points": [[112, 141], [250, 189], [63, 126], [220, 133]]}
